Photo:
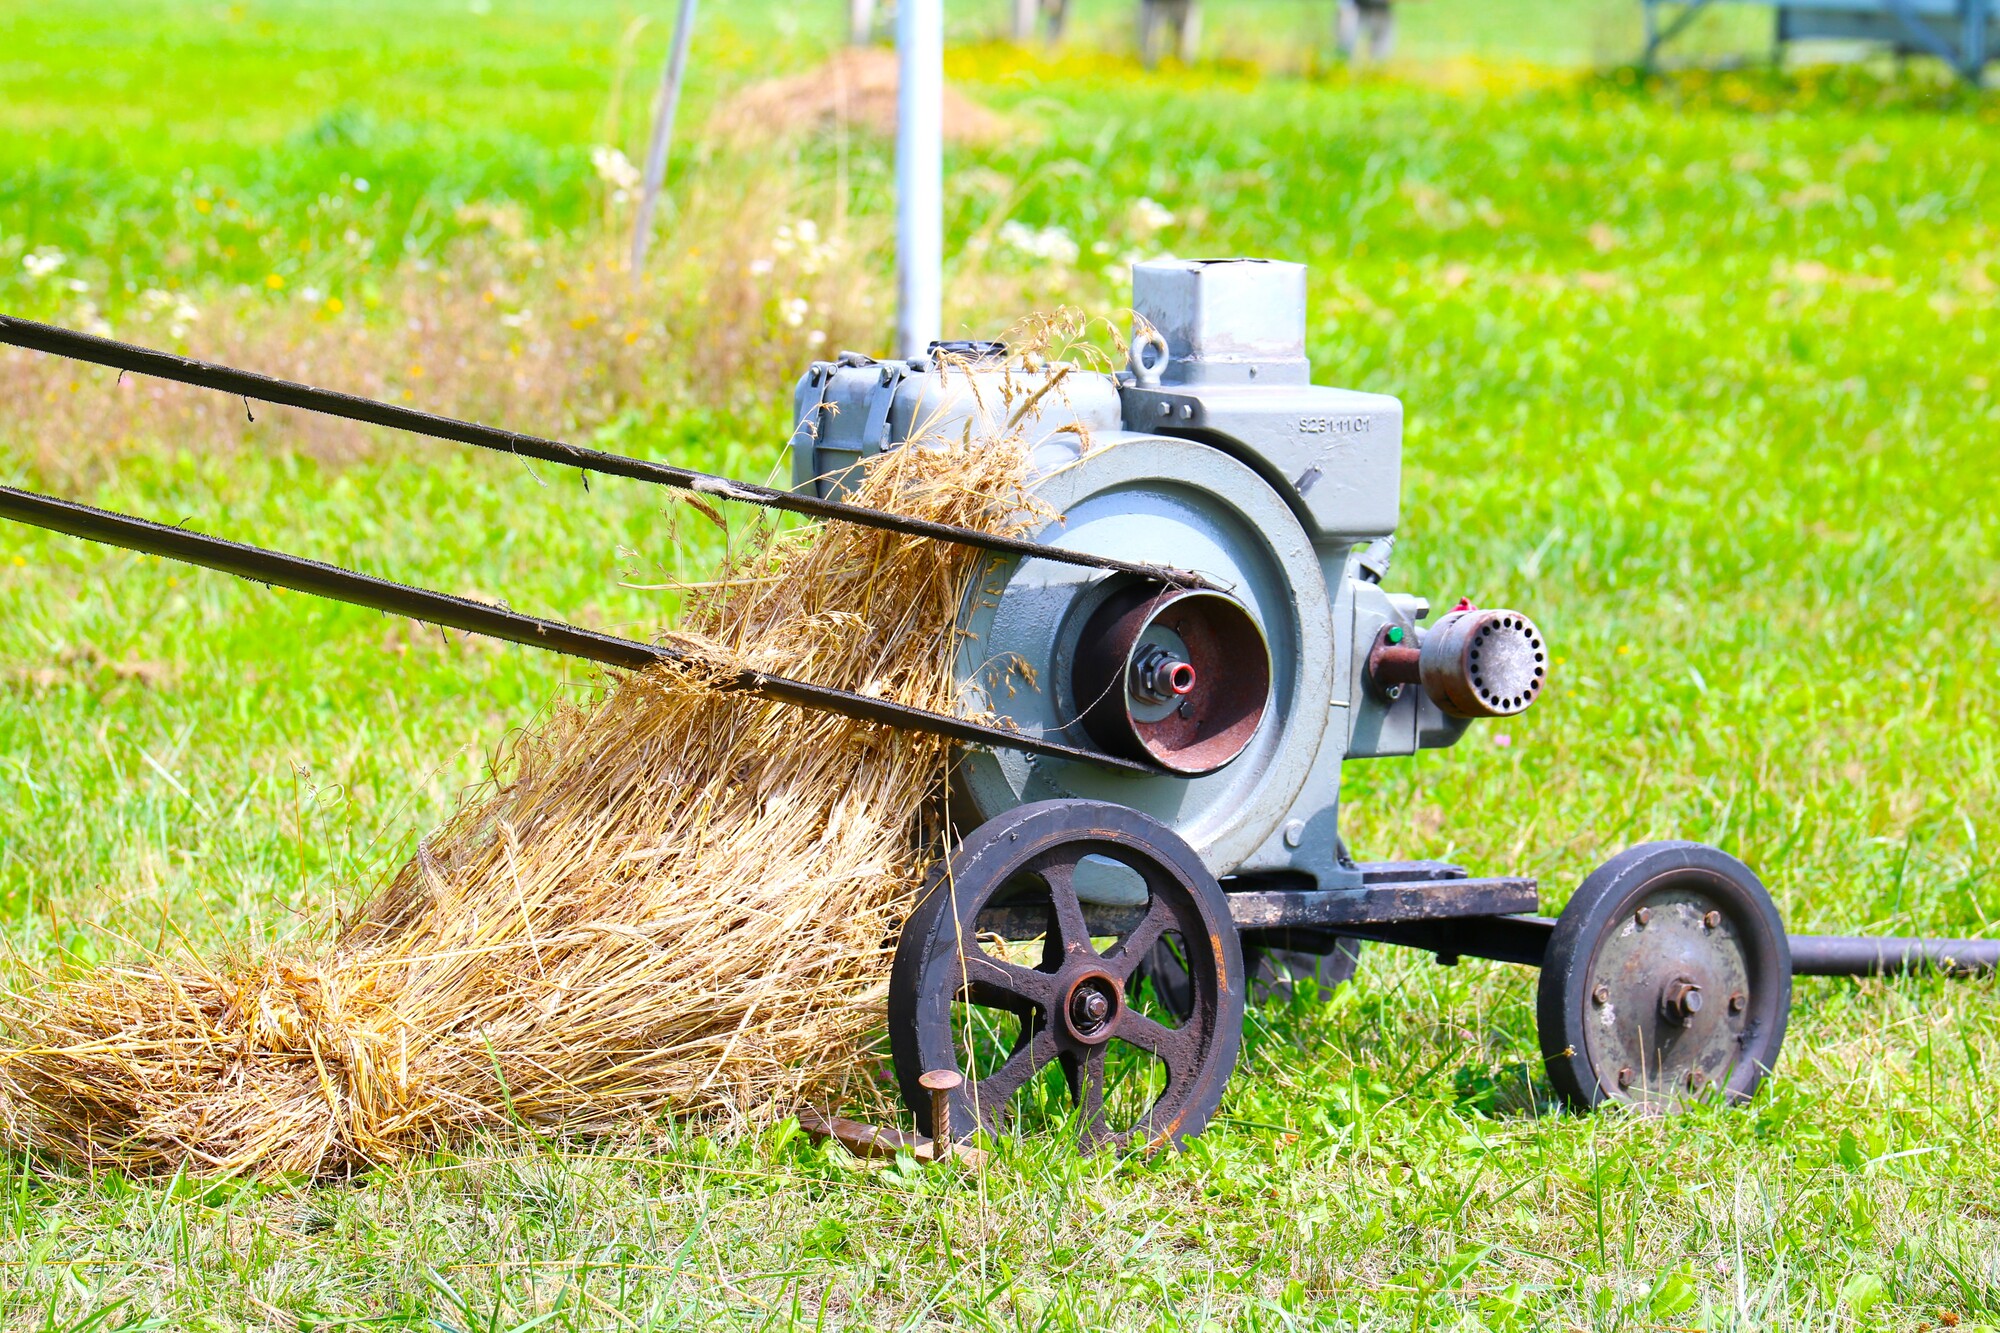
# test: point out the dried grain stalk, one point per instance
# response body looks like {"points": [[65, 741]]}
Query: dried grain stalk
{"points": [[680, 899]]}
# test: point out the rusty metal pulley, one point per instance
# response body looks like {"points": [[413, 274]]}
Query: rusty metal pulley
{"points": [[1172, 676]]}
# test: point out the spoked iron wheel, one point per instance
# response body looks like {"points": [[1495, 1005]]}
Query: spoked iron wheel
{"points": [[1003, 971], [1667, 979]]}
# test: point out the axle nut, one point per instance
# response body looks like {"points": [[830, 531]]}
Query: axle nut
{"points": [[1476, 663], [1680, 1000]]}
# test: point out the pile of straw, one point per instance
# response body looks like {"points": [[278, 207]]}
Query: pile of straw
{"points": [[679, 899]]}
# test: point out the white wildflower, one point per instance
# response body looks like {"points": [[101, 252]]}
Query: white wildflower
{"points": [[615, 169], [760, 267], [1150, 215], [519, 319], [78, 285], [41, 263], [800, 237], [311, 295], [794, 309], [1050, 243], [361, 185]]}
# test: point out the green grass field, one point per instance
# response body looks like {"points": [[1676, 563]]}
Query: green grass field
{"points": [[1699, 371]]}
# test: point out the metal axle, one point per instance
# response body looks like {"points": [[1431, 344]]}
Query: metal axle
{"points": [[1523, 939]]}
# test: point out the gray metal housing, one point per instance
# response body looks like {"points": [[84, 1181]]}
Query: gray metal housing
{"points": [[1215, 452]]}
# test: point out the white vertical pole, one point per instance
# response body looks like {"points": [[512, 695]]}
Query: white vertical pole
{"points": [[919, 175], [1024, 19], [663, 133]]}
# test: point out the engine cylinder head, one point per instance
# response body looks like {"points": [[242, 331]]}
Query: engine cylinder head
{"points": [[1479, 663]]}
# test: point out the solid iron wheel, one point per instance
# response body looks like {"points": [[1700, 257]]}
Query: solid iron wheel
{"points": [[1079, 1003], [1667, 980]]}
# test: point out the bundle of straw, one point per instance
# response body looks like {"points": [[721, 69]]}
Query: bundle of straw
{"points": [[679, 899]]}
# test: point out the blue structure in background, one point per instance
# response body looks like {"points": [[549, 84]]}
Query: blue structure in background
{"points": [[1962, 33]]}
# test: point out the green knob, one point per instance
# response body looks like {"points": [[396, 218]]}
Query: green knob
{"points": [[1395, 634]]}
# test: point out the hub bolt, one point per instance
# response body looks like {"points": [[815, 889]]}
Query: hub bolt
{"points": [[1737, 1002], [1643, 915], [1697, 1078], [1712, 920], [1601, 996], [1091, 1007], [1681, 1000], [1625, 1077]]}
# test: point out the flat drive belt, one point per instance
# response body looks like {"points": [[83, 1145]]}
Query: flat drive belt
{"points": [[498, 622], [77, 346]]}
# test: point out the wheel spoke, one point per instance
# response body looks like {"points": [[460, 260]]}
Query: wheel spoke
{"points": [[1034, 1048], [1075, 932], [1173, 1046], [1091, 1098], [1130, 951], [991, 1095], [998, 985]]}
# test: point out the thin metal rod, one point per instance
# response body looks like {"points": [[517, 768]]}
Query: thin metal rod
{"points": [[663, 133], [495, 622], [1868, 956], [919, 175], [77, 346]]}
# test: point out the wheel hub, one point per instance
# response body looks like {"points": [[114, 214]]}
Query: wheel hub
{"points": [[1092, 1010]]}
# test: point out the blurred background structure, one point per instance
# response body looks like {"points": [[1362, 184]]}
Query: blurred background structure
{"points": [[1962, 33]]}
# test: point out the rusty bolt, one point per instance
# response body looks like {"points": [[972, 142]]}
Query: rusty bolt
{"points": [[1625, 1077], [940, 1083], [1738, 1002], [1712, 920], [1601, 996], [1680, 1000], [1696, 1078], [1643, 915]]}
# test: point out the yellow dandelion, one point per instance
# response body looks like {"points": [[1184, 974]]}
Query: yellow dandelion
{"points": [[275, 281]]}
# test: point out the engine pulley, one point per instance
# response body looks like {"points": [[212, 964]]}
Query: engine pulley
{"points": [[1174, 677]]}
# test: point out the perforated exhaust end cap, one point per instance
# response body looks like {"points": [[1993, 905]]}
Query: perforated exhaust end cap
{"points": [[1481, 663]]}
